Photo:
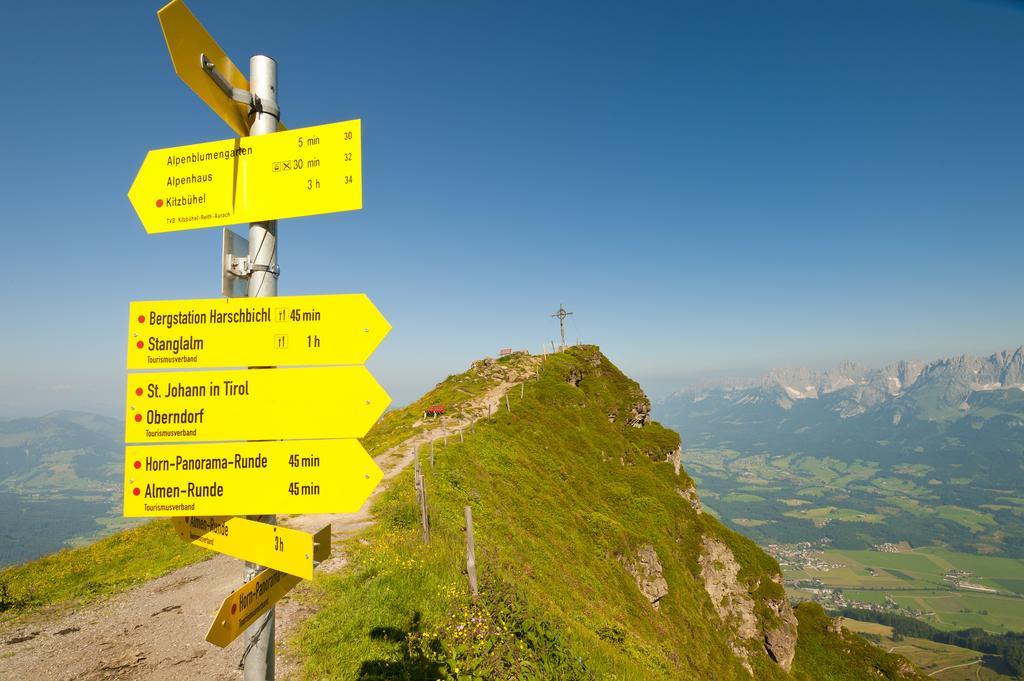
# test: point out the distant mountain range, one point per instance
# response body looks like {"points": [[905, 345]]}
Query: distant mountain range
{"points": [[942, 389], [948, 434]]}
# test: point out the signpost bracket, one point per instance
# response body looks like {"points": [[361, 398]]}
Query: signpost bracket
{"points": [[242, 267], [255, 103], [237, 266]]}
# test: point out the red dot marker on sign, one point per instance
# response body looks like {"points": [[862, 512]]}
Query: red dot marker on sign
{"points": [[138, 391], [138, 417], [138, 464], [136, 491], [139, 345], [159, 203], [142, 319], [233, 608]]}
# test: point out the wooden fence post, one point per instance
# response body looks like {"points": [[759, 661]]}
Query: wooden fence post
{"points": [[421, 494], [507, 405], [423, 508], [461, 438], [470, 553]]}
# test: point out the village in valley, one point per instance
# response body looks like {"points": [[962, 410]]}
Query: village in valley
{"points": [[808, 564]]}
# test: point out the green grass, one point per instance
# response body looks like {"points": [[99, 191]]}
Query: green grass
{"points": [[822, 657], [735, 498], [917, 566], [750, 522], [914, 580], [922, 569], [108, 566], [987, 570], [1013, 585], [962, 609], [823, 515], [814, 492], [397, 425], [971, 519], [876, 597], [918, 470], [817, 469], [561, 498], [929, 656]]}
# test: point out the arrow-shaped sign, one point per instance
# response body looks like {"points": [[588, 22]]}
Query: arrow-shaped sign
{"points": [[282, 331], [248, 478], [188, 42], [271, 546], [258, 595], [247, 180], [256, 404]]}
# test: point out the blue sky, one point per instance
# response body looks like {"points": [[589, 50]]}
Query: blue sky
{"points": [[712, 188]]}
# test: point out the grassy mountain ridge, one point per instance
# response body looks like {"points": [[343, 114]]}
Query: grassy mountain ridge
{"points": [[594, 558]]}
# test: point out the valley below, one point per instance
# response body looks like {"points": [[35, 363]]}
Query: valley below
{"points": [[882, 547], [890, 493], [60, 483]]}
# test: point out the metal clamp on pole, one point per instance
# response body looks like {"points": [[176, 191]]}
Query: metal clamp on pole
{"points": [[255, 103], [273, 270], [261, 106]]}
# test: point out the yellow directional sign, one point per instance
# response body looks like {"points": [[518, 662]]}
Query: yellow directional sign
{"points": [[188, 42], [282, 331], [248, 478], [287, 174], [272, 546], [256, 404], [257, 596]]}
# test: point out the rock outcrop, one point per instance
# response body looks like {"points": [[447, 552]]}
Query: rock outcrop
{"points": [[639, 414], [647, 571], [780, 640], [690, 494], [735, 607], [675, 457]]}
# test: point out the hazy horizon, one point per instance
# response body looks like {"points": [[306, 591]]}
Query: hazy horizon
{"points": [[656, 385]]}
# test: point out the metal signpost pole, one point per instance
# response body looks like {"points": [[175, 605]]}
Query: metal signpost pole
{"points": [[263, 235], [258, 664]]}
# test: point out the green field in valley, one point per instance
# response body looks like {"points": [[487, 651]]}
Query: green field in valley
{"points": [[945, 662], [988, 597], [788, 498]]}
